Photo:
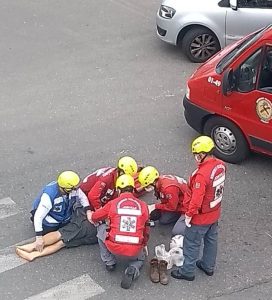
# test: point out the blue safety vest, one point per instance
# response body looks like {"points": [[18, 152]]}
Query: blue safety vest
{"points": [[62, 206]]}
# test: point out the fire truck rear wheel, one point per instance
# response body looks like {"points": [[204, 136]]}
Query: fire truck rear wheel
{"points": [[231, 145]]}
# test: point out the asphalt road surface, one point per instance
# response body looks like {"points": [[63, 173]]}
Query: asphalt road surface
{"points": [[83, 83]]}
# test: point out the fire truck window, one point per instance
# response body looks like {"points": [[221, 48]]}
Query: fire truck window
{"points": [[265, 81], [224, 3], [254, 3], [247, 73], [248, 3], [265, 3]]}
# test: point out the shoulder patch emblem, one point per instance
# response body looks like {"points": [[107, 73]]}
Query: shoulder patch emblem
{"points": [[168, 196], [197, 185]]}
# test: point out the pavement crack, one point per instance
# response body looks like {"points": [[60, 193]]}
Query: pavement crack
{"points": [[258, 283]]}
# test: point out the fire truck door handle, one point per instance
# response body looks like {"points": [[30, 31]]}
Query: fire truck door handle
{"points": [[227, 108]]}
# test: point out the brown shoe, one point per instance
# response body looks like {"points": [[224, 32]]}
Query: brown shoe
{"points": [[154, 270], [163, 272]]}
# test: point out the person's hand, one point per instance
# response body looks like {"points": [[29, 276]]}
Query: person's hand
{"points": [[139, 189], [89, 216], [146, 251], [149, 188], [188, 221], [39, 244], [151, 207]]}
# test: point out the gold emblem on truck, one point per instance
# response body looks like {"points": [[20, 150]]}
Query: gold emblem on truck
{"points": [[264, 109]]}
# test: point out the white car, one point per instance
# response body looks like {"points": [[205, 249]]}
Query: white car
{"points": [[203, 27]]}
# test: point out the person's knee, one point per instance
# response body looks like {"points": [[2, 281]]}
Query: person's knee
{"points": [[175, 231], [178, 230], [60, 244], [56, 234]]}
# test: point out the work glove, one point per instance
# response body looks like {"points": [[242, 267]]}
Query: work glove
{"points": [[146, 251], [188, 221], [149, 188], [151, 207], [39, 244]]}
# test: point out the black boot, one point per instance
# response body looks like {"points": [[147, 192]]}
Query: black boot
{"points": [[128, 277], [176, 274], [199, 265], [110, 268]]}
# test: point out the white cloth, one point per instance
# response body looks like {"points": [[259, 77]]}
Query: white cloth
{"points": [[174, 256], [188, 221], [177, 241]]}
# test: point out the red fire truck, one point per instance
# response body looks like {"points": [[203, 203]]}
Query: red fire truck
{"points": [[230, 98]]}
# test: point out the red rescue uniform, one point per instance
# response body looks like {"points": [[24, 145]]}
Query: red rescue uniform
{"points": [[99, 186], [207, 187], [128, 231], [173, 193]]}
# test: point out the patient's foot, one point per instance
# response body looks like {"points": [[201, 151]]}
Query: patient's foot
{"points": [[25, 255], [28, 247]]}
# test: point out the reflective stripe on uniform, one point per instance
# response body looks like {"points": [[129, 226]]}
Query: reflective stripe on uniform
{"points": [[215, 202], [51, 220], [220, 180], [127, 239], [127, 211], [58, 200]]}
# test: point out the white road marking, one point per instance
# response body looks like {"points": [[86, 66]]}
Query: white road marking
{"points": [[9, 259], [79, 288], [7, 208]]}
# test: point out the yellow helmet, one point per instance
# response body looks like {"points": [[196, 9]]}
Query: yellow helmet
{"points": [[202, 144], [148, 175], [128, 165], [124, 181], [68, 180]]}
